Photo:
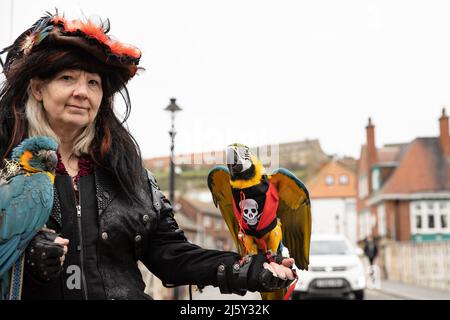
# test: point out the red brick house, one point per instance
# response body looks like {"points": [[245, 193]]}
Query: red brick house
{"points": [[212, 231], [404, 189]]}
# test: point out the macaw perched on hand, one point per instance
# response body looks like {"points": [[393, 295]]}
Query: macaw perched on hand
{"points": [[26, 200], [263, 212]]}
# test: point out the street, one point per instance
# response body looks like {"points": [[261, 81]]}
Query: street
{"points": [[379, 295], [211, 293]]}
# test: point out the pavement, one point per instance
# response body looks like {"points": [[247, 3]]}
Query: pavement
{"points": [[213, 293], [396, 289], [412, 292]]}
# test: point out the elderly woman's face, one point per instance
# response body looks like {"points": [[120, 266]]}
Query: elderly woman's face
{"points": [[71, 99]]}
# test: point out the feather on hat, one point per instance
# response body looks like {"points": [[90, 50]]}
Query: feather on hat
{"points": [[53, 30]]}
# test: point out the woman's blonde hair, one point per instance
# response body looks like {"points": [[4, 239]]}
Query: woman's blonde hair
{"points": [[38, 126]]}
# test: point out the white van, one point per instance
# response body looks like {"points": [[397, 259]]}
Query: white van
{"points": [[335, 269]]}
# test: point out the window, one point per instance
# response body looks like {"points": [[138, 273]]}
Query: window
{"points": [[207, 221], [444, 222], [430, 221], [375, 179], [430, 217], [343, 179], [329, 180], [418, 222]]}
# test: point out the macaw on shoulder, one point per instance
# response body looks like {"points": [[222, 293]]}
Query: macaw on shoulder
{"points": [[263, 212], [26, 200]]}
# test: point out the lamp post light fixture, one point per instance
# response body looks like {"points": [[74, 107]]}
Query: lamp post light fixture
{"points": [[172, 108]]}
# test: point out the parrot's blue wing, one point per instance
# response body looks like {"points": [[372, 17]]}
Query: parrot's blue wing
{"points": [[25, 205], [9, 253], [219, 185], [294, 211]]}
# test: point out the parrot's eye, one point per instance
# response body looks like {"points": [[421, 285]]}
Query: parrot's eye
{"points": [[253, 210]]}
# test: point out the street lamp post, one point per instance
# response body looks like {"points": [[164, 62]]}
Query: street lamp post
{"points": [[172, 108]]}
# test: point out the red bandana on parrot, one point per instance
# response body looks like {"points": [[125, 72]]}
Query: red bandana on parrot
{"points": [[256, 208]]}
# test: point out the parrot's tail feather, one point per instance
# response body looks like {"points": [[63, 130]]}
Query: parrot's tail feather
{"points": [[291, 287], [275, 295]]}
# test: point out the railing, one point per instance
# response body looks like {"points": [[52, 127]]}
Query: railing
{"points": [[426, 264]]}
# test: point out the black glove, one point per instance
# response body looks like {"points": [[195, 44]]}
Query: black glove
{"points": [[43, 256], [249, 275]]}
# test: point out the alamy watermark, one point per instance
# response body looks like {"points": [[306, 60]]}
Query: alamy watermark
{"points": [[74, 279], [268, 155]]}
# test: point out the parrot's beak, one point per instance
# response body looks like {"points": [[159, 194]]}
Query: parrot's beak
{"points": [[52, 160], [236, 168], [234, 162]]}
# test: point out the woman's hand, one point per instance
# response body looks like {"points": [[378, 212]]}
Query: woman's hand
{"points": [[63, 242], [283, 270], [255, 273], [58, 240], [45, 254]]}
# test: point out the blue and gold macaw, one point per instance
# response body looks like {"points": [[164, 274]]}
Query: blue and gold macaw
{"points": [[263, 212], [26, 200]]}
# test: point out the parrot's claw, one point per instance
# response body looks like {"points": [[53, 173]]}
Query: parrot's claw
{"points": [[271, 257], [244, 259]]}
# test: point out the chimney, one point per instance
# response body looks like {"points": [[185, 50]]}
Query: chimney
{"points": [[371, 148], [444, 137], [371, 152]]}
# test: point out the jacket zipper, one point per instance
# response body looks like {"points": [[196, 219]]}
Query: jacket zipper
{"points": [[80, 234]]}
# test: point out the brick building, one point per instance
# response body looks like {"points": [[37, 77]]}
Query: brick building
{"points": [[212, 231], [404, 189]]}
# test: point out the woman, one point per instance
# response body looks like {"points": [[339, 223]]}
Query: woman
{"points": [[108, 213]]}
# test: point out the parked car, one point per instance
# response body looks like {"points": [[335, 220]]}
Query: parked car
{"points": [[335, 270]]}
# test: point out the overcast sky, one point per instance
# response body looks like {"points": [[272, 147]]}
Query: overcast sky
{"points": [[264, 72]]}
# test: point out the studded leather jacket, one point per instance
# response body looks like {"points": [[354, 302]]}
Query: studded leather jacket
{"points": [[108, 237]]}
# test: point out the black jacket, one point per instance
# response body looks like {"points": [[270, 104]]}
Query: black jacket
{"points": [[108, 237]]}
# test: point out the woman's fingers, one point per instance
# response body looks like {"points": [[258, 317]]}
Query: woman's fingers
{"points": [[288, 262], [64, 242], [282, 271], [270, 268], [287, 265], [289, 273], [279, 270]]}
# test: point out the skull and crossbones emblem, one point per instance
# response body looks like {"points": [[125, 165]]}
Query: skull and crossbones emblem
{"points": [[250, 211]]}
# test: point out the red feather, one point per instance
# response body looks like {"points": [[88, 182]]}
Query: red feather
{"points": [[95, 31]]}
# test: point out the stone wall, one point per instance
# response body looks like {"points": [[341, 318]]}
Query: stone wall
{"points": [[426, 264]]}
